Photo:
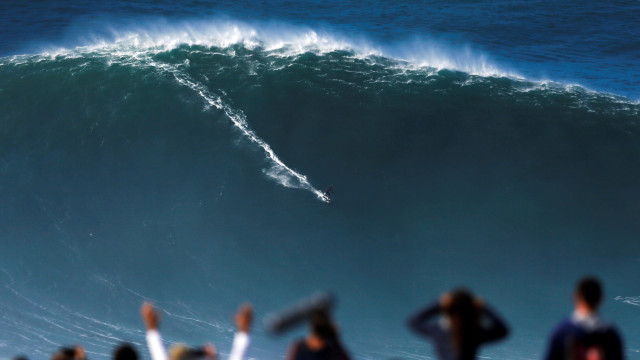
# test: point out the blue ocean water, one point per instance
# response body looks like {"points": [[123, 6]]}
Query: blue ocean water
{"points": [[177, 151]]}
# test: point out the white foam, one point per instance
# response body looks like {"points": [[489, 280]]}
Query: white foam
{"points": [[631, 300], [278, 170], [280, 39], [160, 36], [137, 48], [132, 42], [194, 321], [137, 44], [440, 55]]}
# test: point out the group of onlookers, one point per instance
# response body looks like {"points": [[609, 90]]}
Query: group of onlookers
{"points": [[457, 324]]}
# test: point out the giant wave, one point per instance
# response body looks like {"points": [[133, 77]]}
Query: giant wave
{"points": [[129, 168], [276, 46]]}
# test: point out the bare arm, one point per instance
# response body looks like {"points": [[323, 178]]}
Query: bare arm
{"points": [[421, 322], [241, 340], [496, 328], [151, 320], [292, 352]]}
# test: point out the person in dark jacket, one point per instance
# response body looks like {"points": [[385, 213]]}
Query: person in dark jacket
{"points": [[323, 342], [458, 324], [584, 335]]}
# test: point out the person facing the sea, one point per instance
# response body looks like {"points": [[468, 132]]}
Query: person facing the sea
{"points": [[584, 335], [322, 343], [125, 352], [70, 353], [458, 324], [244, 318]]}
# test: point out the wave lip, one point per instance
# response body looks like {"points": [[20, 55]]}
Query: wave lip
{"points": [[283, 40], [160, 36]]}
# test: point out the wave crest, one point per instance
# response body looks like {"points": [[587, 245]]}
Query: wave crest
{"points": [[284, 40]]}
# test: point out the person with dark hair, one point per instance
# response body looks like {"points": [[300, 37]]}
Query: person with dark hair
{"points": [[151, 319], [458, 324], [70, 353], [125, 352], [322, 343], [585, 336]]}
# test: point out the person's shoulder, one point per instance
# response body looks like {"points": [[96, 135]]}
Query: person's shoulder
{"points": [[564, 327], [300, 344], [297, 350], [611, 329], [565, 323]]}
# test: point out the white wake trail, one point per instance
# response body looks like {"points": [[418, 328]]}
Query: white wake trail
{"points": [[278, 171]]}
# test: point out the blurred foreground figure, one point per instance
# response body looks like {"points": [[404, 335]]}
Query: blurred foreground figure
{"points": [[125, 352], [322, 343], [585, 336], [151, 319], [458, 324], [70, 353]]}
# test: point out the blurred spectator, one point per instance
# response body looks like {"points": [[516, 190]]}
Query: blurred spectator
{"points": [[181, 352], [458, 324], [125, 352], [322, 343], [70, 353], [584, 335]]}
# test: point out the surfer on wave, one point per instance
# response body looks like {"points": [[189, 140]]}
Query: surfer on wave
{"points": [[328, 193]]}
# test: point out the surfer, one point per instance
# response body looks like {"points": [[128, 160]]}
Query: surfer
{"points": [[327, 194]]}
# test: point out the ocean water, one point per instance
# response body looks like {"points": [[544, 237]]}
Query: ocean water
{"points": [[177, 152]]}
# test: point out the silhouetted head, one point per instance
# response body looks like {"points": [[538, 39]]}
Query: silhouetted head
{"points": [[20, 357], [65, 353], [322, 326], [589, 292], [464, 317], [125, 352], [183, 352]]}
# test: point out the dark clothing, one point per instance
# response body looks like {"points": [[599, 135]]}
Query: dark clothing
{"points": [[578, 338], [427, 323], [329, 352], [329, 192]]}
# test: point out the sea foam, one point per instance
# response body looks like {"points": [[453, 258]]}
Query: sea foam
{"points": [[277, 170], [280, 39]]}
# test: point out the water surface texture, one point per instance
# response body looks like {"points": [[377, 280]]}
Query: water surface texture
{"points": [[177, 152]]}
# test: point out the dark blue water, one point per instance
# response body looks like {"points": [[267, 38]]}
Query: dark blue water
{"points": [[176, 152], [594, 44]]}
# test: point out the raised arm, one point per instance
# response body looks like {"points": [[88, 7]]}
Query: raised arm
{"points": [[421, 322], [154, 340], [241, 340], [493, 327]]}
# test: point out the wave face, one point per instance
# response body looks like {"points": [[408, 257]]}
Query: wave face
{"points": [[594, 45], [188, 169]]}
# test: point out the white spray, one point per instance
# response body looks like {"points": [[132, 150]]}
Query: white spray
{"points": [[278, 170]]}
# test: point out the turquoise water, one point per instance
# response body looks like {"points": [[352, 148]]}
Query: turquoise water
{"points": [[182, 164]]}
